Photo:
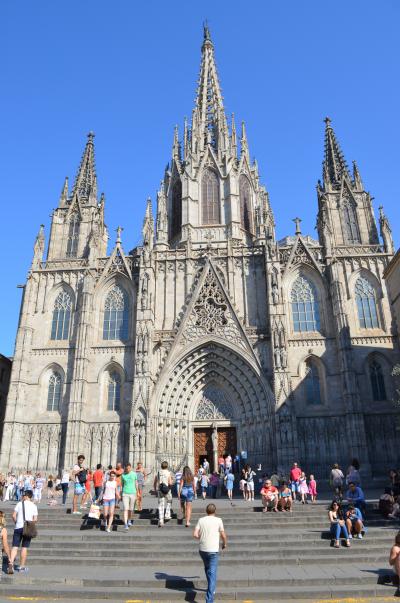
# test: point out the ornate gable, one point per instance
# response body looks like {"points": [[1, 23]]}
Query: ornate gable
{"points": [[117, 262], [301, 254]]}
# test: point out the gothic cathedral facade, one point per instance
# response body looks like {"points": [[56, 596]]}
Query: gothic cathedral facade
{"points": [[212, 336]]}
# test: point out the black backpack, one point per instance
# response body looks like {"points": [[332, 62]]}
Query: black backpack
{"points": [[82, 476]]}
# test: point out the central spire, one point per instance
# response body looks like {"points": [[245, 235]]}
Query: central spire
{"points": [[335, 165], [210, 120], [86, 181]]}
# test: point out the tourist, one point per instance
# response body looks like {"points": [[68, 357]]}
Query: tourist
{"points": [[162, 485], [204, 481], [395, 513], [186, 494], [110, 496], [303, 488], [9, 487], [209, 530], [269, 496], [295, 473], [206, 466], [354, 522], [336, 481], [50, 487], [28, 481], [221, 464], [98, 481], [178, 477], [25, 510], [353, 473], [242, 483], [229, 479], [228, 463], [39, 483], [141, 478], [214, 483], [337, 525], [356, 496], [285, 497], [196, 483], [107, 473], [275, 481], [65, 479], [118, 472], [87, 495], [250, 475], [394, 559], [20, 487], [129, 480], [79, 474], [312, 489], [4, 542]]}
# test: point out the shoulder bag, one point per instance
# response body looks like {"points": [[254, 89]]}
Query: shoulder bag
{"points": [[29, 530]]}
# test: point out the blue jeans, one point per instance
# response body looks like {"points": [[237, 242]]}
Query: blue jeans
{"points": [[64, 488], [336, 529], [210, 561]]}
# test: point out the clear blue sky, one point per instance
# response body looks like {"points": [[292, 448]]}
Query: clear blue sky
{"points": [[128, 71]]}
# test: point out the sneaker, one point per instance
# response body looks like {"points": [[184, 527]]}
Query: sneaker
{"points": [[76, 513], [127, 527], [350, 536], [23, 570], [10, 569], [359, 536], [130, 523], [108, 530]]}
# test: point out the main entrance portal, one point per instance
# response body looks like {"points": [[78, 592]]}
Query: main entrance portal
{"points": [[213, 442]]}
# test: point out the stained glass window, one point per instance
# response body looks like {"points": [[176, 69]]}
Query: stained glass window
{"points": [[245, 202], [210, 213], [377, 381], [115, 324], [61, 316], [114, 392], [366, 304], [312, 383], [305, 310], [73, 236], [54, 392], [176, 218]]}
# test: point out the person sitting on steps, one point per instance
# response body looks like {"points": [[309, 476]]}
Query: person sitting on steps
{"points": [[337, 525]]}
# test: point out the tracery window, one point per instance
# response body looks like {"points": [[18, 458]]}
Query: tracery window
{"points": [[352, 233], [210, 207], [73, 236], [54, 392], [366, 304], [115, 325], [176, 218], [377, 381], [245, 202], [61, 316], [305, 307], [114, 392], [312, 383]]}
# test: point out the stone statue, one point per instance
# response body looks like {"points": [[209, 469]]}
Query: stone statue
{"points": [[277, 357], [283, 357]]}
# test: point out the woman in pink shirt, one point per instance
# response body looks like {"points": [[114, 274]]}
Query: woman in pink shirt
{"points": [[110, 496]]}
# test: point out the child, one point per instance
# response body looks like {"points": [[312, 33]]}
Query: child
{"points": [[312, 489], [303, 488], [394, 558], [229, 479], [204, 485]]}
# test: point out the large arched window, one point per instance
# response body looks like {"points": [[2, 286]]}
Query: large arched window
{"points": [[54, 392], [377, 381], [210, 209], [366, 304], [73, 236], [176, 217], [245, 202], [351, 231], [115, 325], [61, 316], [312, 383], [114, 392], [305, 310]]}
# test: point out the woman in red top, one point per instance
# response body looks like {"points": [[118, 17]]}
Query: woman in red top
{"points": [[98, 481]]}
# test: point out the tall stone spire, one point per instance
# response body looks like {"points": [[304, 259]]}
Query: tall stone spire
{"points": [[209, 123], [334, 165], [85, 186], [148, 226]]}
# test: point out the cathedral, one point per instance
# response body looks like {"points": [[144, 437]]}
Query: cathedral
{"points": [[212, 336]]}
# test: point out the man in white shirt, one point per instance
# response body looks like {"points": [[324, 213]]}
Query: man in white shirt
{"points": [[209, 530], [31, 513]]}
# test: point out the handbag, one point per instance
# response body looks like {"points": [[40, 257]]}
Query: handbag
{"points": [[94, 511], [29, 530]]}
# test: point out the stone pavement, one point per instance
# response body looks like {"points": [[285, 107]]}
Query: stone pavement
{"points": [[270, 557]]}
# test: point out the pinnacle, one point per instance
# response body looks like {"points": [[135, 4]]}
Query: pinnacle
{"points": [[86, 180], [335, 166]]}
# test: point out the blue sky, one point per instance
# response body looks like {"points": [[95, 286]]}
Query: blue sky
{"points": [[128, 71]]}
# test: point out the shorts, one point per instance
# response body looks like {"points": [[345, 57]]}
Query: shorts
{"points": [[295, 487], [187, 494], [204, 488], [109, 503], [18, 538], [250, 486], [128, 501], [78, 489]]}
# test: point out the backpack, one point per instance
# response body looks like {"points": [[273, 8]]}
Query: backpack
{"points": [[82, 477], [162, 487]]}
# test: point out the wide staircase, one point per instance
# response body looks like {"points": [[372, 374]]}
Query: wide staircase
{"points": [[270, 557]]}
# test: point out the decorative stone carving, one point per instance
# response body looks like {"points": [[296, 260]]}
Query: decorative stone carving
{"points": [[214, 405]]}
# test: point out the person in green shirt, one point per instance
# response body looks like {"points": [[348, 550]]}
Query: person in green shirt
{"points": [[129, 479]]}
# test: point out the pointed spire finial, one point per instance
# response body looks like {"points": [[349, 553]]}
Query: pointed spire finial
{"points": [[64, 192], [334, 165], [119, 230], [86, 180], [206, 32], [297, 221], [327, 121]]}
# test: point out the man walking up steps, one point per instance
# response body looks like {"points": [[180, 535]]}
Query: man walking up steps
{"points": [[209, 530]]}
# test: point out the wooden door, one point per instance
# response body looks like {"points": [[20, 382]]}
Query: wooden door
{"points": [[227, 441], [202, 447]]}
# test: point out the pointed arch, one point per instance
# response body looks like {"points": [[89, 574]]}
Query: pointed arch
{"points": [[62, 309], [365, 294], [377, 379], [73, 235], [245, 203], [350, 221], [116, 314], [176, 209], [312, 382], [210, 201], [305, 305], [114, 391], [54, 391]]}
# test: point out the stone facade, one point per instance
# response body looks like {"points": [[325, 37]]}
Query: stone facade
{"points": [[5, 374], [392, 276], [211, 328]]}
